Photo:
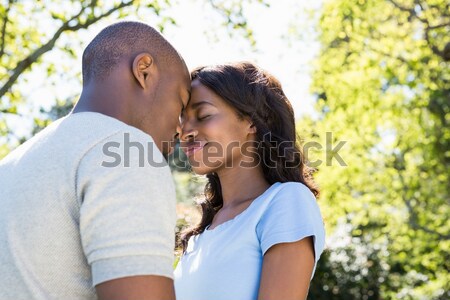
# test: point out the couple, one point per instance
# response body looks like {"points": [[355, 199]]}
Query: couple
{"points": [[73, 228]]}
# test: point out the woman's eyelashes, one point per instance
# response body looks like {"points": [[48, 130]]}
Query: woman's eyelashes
{"points": [[203, 117]]}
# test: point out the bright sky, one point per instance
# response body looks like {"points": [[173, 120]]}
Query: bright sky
{"points": [[289, 64], [285, 46]]}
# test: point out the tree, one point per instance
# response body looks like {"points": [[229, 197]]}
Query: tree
{"points": [[382, 81], [31, 29]]}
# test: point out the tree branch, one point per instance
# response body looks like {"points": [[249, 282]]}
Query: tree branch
{"points": [[415, 225], [439, 26], [32, 58], [399, 58], [434, 48], [3, 34], [428, 26], [402, 8], [411, 11], [95, 19]]}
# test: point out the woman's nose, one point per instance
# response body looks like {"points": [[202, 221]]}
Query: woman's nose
{"points": [[187, 132]]}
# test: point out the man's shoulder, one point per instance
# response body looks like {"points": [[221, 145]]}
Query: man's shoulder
{"points": [[96, 126], [72, 136]]}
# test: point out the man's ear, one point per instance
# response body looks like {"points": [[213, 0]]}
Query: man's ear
{"points": [[143, 68]]}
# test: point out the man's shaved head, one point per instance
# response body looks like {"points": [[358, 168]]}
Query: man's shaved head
{"points": [[124, 39], [132, 73]]}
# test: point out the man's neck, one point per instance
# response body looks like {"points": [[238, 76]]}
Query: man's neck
{"points": [[102, 99]]}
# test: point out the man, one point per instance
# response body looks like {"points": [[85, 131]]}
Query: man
{"points": [[87, 207]]}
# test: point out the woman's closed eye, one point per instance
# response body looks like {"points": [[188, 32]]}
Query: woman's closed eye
{"points": [[203, 117]]}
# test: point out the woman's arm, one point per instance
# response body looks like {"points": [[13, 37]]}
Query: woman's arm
{"points": [[287, 270]]}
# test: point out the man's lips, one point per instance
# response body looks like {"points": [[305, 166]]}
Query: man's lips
{"points": [[190, 148]]}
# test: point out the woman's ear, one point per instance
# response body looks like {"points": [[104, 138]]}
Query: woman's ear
{"points": [[143, 68], [252, 128]]}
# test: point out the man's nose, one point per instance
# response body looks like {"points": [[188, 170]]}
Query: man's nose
{"points": [[178, 132]]}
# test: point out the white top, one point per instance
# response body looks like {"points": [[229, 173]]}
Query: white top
{"points": [[225, 262], [68, 223]]}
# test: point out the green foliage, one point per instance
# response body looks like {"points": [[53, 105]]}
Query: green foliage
{"points": [[31, 29], [25, 37], [383, 85], [352, 269], [382, 81], [59, 110], [4, 150], [178, 160], [235, 20], [188, 186]]}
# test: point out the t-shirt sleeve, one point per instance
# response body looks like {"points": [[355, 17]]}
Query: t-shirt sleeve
{"points": [[127, 208], [292, 215]]}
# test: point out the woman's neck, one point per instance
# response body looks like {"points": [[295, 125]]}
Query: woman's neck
{"points": [[241, 184]]}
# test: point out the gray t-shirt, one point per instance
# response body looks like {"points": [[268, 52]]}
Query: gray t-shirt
{"points": [[87, 200]]}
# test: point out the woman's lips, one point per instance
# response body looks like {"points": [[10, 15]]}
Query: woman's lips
{"points": [[190, 148]]}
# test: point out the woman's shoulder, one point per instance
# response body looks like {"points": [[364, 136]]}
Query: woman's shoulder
{"points": [[286, 194], [290, 198], [292, 214], [294, 186], [294, 191]]}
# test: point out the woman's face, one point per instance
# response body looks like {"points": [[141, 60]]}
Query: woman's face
{"points": [[212, 136]]}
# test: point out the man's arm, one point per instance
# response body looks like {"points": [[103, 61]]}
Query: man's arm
{"points": [[127, 221], [148, 287]]}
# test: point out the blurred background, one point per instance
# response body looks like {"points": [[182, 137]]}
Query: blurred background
{"points": [[369, 81]]}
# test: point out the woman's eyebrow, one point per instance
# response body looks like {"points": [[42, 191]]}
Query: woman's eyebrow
{"points": [[200, 103]]}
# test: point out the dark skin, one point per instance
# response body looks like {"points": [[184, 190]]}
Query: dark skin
{"points": [[141, 94], [149, 97], [147, 287], [287, 267]]}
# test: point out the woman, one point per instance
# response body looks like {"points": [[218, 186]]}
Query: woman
{"points": [[261, 232]]}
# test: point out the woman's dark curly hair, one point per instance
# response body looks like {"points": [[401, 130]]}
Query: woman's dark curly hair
{"points": [[258, 96]]}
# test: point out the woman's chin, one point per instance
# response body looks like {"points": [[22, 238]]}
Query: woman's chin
{"points": [[201, 170]]}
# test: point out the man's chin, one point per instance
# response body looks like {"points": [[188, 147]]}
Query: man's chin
{"points": [[167, 152], [166, 148]]}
